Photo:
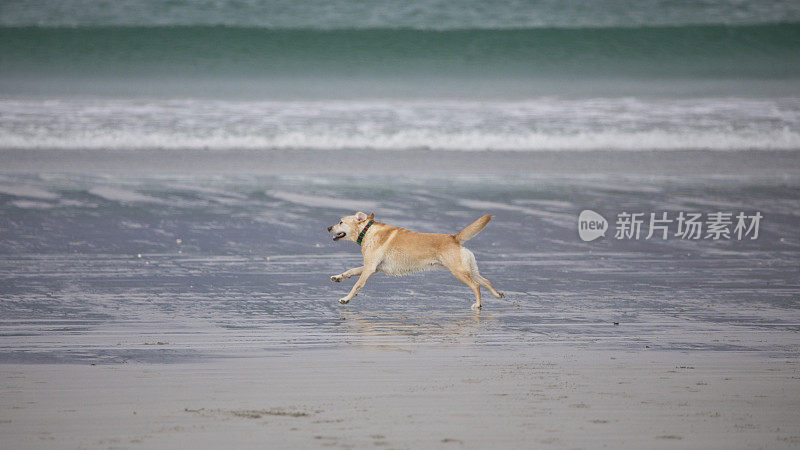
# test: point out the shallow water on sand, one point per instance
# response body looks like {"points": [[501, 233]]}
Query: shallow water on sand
{"points": [[176, 268]]}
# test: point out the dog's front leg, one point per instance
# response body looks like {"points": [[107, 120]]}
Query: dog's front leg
{"points": [[345, 275], [362, 280]]}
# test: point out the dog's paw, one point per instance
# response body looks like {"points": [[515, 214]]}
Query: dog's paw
{"points": [[344, 300], [476, 306], [500, 294], [337, 278]]}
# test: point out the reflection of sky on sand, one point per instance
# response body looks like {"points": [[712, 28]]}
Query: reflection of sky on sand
{"points": [[107, 309], [396, 329], [111, 266]]}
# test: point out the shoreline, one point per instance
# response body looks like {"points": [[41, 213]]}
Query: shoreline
{"points": [[697, 163]]}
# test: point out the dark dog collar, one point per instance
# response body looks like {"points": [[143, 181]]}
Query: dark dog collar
{"points": [[364, 232]]}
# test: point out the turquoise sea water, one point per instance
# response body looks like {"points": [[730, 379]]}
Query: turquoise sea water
{"points": [[686, 51], [416, 14], [468, 76]]}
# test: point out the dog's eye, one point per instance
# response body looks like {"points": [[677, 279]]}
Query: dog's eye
{"points": [[340, 222]]}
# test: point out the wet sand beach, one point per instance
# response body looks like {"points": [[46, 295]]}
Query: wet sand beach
{"points": [[164, 310]]}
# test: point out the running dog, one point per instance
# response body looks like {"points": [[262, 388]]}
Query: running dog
{"points": [[397, 251]]}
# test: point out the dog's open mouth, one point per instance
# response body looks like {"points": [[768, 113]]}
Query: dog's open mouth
{"points": [[339, 235]]}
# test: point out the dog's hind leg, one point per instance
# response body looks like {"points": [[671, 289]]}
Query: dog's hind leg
{"points": [[469, 259], [462, 272], [465, 277], [459, 265], [485, 283]]}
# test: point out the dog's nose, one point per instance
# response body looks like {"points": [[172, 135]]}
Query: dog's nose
{"points": [[330, 228]]}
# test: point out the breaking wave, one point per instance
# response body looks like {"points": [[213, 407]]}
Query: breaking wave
{"points": [[541, 124]]}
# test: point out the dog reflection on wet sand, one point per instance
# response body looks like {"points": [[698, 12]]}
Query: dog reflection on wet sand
{"points": [[397, 251]]}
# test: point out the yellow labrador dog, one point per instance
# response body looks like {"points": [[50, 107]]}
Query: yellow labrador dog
{"points": [[397, 251]]}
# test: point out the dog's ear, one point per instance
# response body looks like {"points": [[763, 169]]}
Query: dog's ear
{"points": [[371, 216], [360, 216]]}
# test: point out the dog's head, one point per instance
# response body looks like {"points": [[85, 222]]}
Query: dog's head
{"points": [[349, 227]]}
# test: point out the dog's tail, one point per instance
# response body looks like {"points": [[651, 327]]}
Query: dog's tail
{"points": [[472, 229]]}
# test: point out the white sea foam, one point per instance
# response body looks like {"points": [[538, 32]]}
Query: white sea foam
{"points": [[324, 202], [27, 204], [27, 191], [555, 218], [468, 141], [540, 124], [122, 195]]}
